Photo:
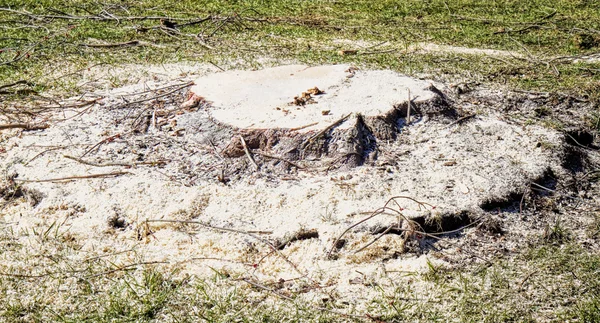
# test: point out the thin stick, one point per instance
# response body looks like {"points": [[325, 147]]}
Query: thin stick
{"points": [[280, 159], [248, 233], [91, 105], [217, 66], [116, 45], [304, 127], [94, 17], [113, 164], [76, 105], [45, 151], [108, 255], [214, 227], [2, 87], [125, 268], [322, 132], [248, 152], [263, 287], [408, 109], [113, 174], [26, 126], [188, 84], [525, 279], [461, 119], [103, 141], [218, 259], [287, 298], [577, 142], [377, 238], [377, 212]]}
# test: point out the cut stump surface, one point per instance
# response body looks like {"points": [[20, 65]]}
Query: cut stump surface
{"points": [[299, 111]]}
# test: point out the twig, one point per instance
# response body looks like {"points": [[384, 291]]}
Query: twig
{"points": [[408, 109], [195, 22], [71, 106], [218, 259], [577, 142], [96, 17], [2, 87], [217, 66], [113, 174], [90, 103], [543, 187], [43, 152], [23, 54], [280, 159], [248, 233], [116, 45], [380, 211], [461, 119], [248, 281], [153, 163], [108, 255], [125, 268], [518, 31], [303, 127], [287, 298], [525, 279], [248, 154], [322, 132], [26, 126], [378, 237], [378, 52], [103, 141], [188, 84]]}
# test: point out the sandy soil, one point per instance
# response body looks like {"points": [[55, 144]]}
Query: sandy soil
{"points": [[157, 161]]}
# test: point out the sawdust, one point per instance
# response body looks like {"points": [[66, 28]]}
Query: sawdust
{"points": [[453, 167]]}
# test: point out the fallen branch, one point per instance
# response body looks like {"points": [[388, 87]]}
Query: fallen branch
{"points": [[461, 120], [303, 127], [109, 139], [79, 160], [25, 126], [117, 45], [69, 106], [70, 178], [43, 152], [6, 86], [248, 154], [97, 17], [188, 84], [248, 232], [381, 211], [518, 31]]}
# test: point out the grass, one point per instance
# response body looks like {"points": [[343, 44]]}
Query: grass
{"points": [[547, 281], [242, 32], [552, 278]]}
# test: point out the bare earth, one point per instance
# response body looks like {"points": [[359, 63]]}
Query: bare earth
{"points": [[155, 160]]}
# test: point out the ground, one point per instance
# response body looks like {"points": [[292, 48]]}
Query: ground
{"points": [[171, 229]]}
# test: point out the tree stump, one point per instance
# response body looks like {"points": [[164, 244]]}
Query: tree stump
{"points": [[298, 112]]}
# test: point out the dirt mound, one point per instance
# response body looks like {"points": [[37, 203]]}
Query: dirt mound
{"points": [[245, 186]]}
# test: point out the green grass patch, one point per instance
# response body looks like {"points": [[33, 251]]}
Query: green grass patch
{"points": [[37, 35]]}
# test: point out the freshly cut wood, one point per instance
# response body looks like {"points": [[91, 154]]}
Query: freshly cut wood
{"points": [[300, 111]]}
